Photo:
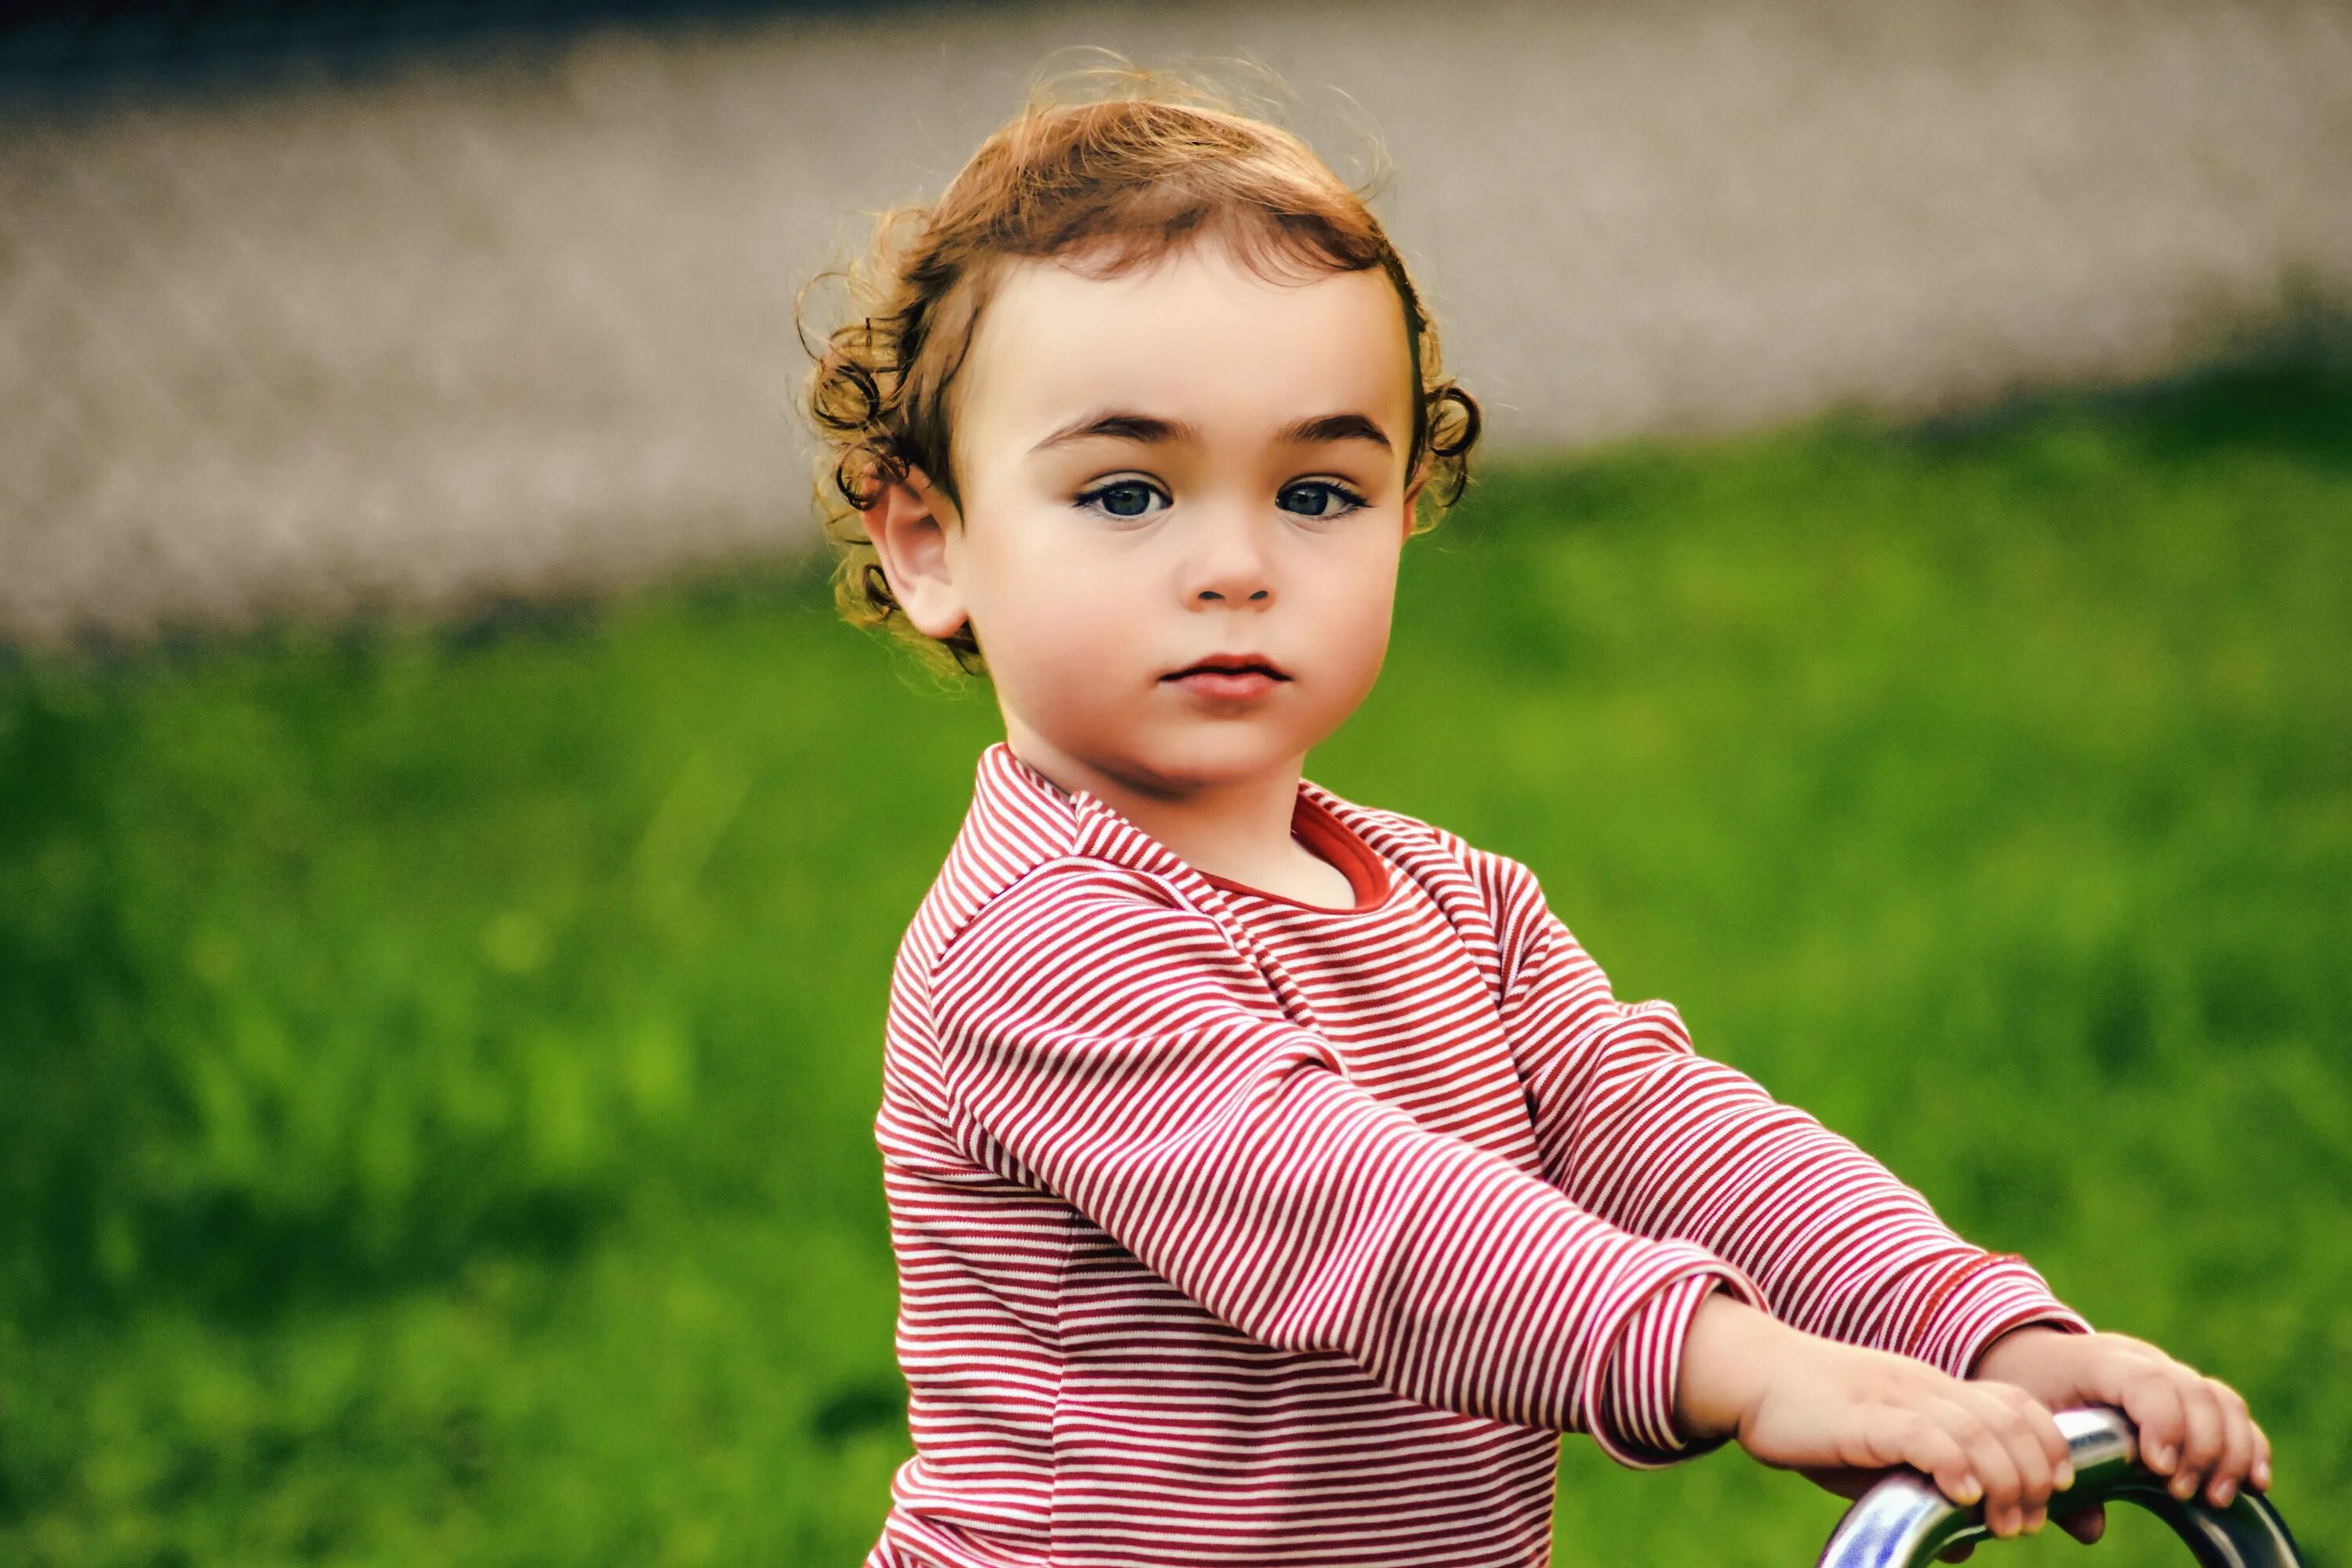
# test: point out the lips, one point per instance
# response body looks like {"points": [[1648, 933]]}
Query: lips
{"points": [[1231, 664], [1229, 677]]}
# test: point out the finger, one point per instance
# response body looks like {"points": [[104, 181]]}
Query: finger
{"points": [[2261, 1457], [1912, 1437], [2237, 1460], [2154, 1406], [2014, 1427], [1990, 1459], [2054, 1445], [2055, 1450], [2202, 1446], [2085, 1524]]}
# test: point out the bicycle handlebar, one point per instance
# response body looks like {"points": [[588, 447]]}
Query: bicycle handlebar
{"points": [[1904, 1521]]}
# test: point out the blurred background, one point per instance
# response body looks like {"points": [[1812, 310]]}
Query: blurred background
{"points": [[451, 853]]}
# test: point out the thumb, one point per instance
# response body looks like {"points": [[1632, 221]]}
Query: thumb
{"points": [[1846, 1481], [2085, 1524]]}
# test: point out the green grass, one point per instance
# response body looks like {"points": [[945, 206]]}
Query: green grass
{"points": [[437, 1066]]}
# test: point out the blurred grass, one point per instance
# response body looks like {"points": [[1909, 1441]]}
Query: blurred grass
{"points": [[438, 1066]]}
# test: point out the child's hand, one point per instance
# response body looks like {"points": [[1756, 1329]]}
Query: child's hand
{"points": [[1839, 1413], [2193, 1429]]}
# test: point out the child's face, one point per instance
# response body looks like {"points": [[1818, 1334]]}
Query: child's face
{"points": [[1096, 563]]}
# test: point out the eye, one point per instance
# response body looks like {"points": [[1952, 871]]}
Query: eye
{"points": [[1127, 499], [1329, 488]]}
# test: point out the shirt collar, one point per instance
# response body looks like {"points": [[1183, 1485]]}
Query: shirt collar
{"points": [[1019, 820]]}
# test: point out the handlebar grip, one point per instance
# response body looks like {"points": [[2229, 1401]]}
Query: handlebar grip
{"points": [[1905, 1520]]}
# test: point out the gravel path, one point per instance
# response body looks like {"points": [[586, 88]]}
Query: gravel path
{"points": [[518, 320]]}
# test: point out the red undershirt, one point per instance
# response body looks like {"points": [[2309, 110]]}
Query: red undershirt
{"points": [[1328, 840]]}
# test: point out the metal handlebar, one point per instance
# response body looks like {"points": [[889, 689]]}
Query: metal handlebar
{"points": [[1904, 1521]]}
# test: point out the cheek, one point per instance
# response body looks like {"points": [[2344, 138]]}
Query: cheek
{"points": [[1360, 601], [1058, 619]]}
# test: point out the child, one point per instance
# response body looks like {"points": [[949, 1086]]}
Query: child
{"points": [[1273, 1178]]}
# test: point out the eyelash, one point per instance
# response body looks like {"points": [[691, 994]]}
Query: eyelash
{"points": [[1355, 502]]}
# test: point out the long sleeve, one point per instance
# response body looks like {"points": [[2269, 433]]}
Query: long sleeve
{"points": [[1113, 1049], [1637, 1128]]}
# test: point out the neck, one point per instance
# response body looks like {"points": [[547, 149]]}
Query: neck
{"points": [[1237, 827]]}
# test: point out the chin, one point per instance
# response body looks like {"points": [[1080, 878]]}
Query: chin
{"points": [[1224, 753]]}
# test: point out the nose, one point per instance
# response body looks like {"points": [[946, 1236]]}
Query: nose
{"points": [[1230, 563]]}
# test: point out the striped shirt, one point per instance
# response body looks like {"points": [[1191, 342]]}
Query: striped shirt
{"points": [[1232, 1228]]}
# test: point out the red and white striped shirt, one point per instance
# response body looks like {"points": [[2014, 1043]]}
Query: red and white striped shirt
{"points": [[1232, 1228]]}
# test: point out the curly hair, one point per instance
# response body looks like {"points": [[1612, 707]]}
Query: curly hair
{"points": [[1104, 184]]}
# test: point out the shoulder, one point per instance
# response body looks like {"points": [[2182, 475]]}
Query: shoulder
{"points": [[1083, 942], [1061, 912]]}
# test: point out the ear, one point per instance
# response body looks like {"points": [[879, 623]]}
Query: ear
{"points": [[1413, 494], [909, 524]]}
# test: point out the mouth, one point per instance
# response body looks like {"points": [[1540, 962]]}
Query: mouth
{"points": [[1229, 676]]}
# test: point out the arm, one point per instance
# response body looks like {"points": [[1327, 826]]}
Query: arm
{"points": [[1112, 1049], [1636, 1127]]}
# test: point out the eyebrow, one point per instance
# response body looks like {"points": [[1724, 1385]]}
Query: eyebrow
{"points": [[1150, 429]]}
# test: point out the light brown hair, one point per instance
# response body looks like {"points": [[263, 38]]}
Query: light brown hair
{"points": [[1104, 184]]}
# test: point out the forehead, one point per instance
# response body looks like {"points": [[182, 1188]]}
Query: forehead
{"points": [[1196, 336]]}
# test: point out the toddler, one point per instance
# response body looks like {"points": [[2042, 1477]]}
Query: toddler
{"points": [[1272, 1177]]}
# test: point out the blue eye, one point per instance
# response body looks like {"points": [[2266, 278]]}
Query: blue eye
{"points": [[1130, 499], [1354, 502], [1126, 493]]}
